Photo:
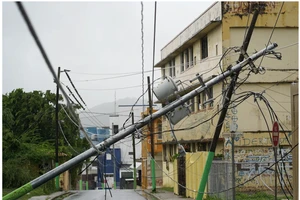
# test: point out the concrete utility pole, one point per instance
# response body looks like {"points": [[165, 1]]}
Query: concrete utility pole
{"points": [[87, 176], [114, 157], [152, 138], [56, 128], [213, 146], [133, 147], [130, 129]]}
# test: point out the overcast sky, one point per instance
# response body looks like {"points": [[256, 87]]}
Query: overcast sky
{"points": [[96, 40]]}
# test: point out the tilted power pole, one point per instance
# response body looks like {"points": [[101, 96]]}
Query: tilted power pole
{"points": [[56, 128], [130, 129], [213, 146]]}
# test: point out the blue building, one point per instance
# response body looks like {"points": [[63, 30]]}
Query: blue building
{"points": [[96, 134], [106, 168]]}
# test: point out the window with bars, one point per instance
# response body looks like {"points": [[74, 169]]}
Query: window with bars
{"points": [[187, 59], [159, 130]]}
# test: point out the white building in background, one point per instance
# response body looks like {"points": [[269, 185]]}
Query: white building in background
{"points": [[126, 144]]}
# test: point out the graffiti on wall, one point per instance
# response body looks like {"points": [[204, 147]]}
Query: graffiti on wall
{"points": [[252, 161], [243, 8], [249, 171], [256, 141]]}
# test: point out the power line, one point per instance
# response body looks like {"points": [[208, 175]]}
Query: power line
{"points": [[153, 47], [142, 45], [270, 139], [278, 14], [74, 87], [73, 121], [75, 97], [109, 89], [109, 74], [44, 55], [66, 138]]}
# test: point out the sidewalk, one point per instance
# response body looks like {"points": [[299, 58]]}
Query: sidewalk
{"points": [[49, 197], [159, 194], [164, 195]]}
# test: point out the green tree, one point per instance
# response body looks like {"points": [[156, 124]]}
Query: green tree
{"points": [[29, 136]]}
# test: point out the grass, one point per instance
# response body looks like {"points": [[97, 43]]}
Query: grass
{"points": [[169, 189], [255, 196], [36, 192]]}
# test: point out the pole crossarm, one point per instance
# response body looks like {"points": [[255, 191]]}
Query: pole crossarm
{"points": [[129, 130]]}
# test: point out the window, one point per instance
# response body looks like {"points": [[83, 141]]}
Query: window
{"points": [[203, 97], [130, 153], [182, 61], [210, 90], [201, 146], [171, 150], [192, 107], [186, 53], [204, 47], [203, 100], [217, 50], [172, 68], [159, 127], [191, 62], [163, 72], [165, 152], [187, 59], [199, 102]]}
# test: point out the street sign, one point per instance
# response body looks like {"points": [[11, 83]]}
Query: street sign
{"points": [[275, 134]]}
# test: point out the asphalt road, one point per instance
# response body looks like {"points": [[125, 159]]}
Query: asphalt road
{"points": [[116, 195]]}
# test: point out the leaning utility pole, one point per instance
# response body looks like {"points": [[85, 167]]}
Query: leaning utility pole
{"points": [[56, 128], [152, 138], [133, 148], [234, 77], [130, 129]]}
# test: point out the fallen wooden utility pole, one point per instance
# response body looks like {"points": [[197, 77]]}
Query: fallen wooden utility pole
{"points": [[132, 128]]}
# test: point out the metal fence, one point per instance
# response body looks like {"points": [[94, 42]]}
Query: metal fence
{"points": [[220, 180]]}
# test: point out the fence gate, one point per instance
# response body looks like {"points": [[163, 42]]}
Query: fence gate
{"points": [[220, 179], [181, 175]]}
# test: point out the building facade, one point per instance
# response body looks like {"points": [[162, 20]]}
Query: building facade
{"points": [[208, 46], [146, 181]]}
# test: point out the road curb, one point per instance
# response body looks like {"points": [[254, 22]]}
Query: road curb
{"points": [[152, 194], [57, 195]]}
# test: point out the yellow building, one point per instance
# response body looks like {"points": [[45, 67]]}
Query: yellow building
{"points": [[146, 153], [210, 45]]}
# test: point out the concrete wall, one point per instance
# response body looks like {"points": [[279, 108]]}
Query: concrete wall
{"points": [[295, 133]]}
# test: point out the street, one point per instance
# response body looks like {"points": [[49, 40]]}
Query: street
{"points": [[116, 194]]}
